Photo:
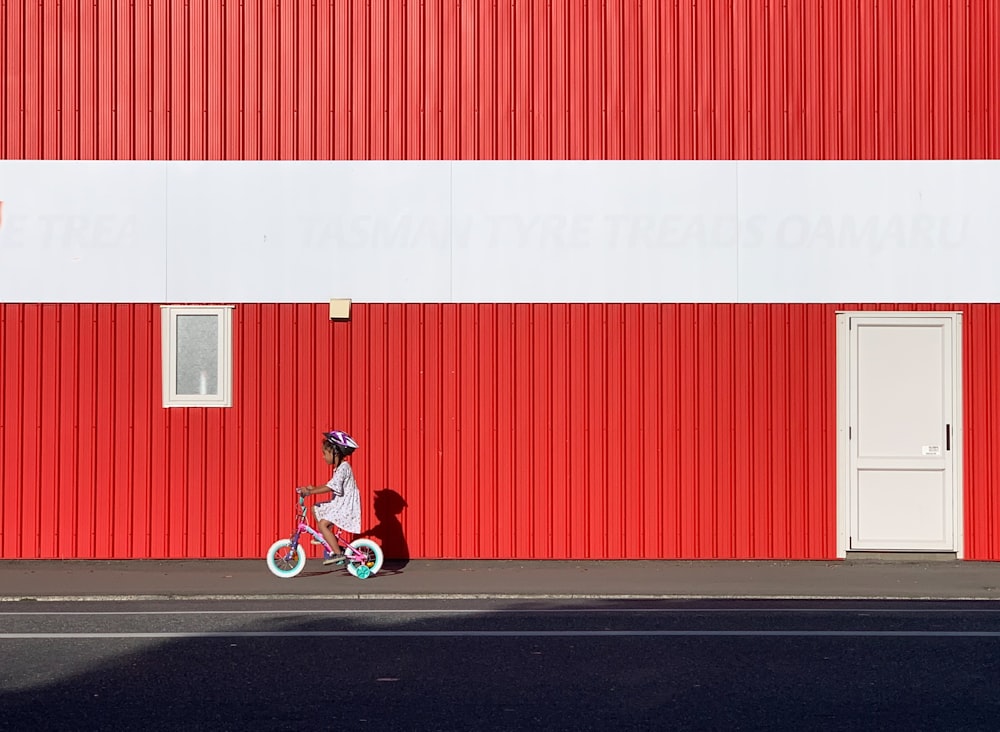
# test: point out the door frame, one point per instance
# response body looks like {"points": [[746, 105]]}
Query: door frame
{"points": [[843, 419]]}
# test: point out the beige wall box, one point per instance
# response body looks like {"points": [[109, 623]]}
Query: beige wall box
{"points": [[340, 309]]}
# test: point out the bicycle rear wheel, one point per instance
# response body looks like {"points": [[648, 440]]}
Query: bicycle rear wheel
{"points": [[283, 562], [365, 567]]}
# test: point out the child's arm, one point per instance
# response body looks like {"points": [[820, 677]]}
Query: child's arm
{"points": [[309, 490]]}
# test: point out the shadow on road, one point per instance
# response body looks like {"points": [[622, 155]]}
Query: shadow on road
{"points": [[399, 671]]}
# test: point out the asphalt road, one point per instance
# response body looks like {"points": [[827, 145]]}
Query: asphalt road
{"points": [[500, 665]]}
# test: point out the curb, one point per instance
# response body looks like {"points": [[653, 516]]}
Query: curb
{"points": [[485, 596]]}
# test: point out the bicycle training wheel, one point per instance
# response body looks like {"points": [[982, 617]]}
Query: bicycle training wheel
{"points": [[372, 562], [282, 562]]}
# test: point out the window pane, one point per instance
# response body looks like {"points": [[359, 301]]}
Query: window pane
{"points": [[198, 354]]}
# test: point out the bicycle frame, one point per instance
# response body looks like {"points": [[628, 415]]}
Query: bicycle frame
{"points": [[286, 558], [349, 551]]}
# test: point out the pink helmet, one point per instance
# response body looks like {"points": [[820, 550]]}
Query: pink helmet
{"points": [[340, 441]]}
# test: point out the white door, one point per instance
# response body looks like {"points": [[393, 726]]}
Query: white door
{"points": [[903, 414]]}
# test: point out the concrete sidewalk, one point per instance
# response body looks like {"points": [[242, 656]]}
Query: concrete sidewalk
{"points": [[422, 579]]}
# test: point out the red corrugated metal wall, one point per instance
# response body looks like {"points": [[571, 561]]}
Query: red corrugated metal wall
{"points": [[724, 413], [480, 79], [531, 431]]}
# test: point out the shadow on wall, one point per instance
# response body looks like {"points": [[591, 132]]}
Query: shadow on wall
{"points": [[389, 530]]}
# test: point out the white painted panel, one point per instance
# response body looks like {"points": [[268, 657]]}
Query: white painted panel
{"points": [[595, 231], [869, 231], [82, 231], [309, 231], [899, 509], [535, 231], [901, 409]]}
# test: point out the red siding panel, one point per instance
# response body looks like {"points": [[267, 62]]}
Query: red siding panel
{"points": [[474, 79], [512, 431], [719, 417]]}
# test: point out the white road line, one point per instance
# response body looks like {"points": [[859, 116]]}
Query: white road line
{"points": [[528, 611], [515, 634]]}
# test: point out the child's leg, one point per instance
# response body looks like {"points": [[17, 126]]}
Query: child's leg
{"points": [[326, 529]]}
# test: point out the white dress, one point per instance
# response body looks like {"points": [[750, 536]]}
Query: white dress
{"points": [[344, 508]]}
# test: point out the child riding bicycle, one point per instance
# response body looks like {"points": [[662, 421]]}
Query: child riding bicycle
{"points": [[343, 509]]}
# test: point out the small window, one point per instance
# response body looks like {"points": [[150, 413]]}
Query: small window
{"points": [[197, 356]]}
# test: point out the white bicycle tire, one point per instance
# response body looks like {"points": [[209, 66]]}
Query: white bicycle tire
{"points": [[377, 557], [294, 569]]}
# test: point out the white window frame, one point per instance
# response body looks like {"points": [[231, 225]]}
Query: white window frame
{"points": [[168, 320]]}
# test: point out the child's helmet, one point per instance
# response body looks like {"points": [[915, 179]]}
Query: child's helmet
{"points": [[340, 441]]}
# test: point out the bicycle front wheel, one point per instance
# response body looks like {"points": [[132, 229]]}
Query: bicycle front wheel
{"points": [[283, 562], [365, 567]]}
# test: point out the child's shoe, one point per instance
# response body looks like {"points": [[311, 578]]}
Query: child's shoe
{"points": [[335, 559]]}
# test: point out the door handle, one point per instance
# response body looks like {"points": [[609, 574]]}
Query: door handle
{"points": [[947, 437]]}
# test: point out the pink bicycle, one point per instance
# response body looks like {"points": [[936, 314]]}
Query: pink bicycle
{"points": [[287, 557]]}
